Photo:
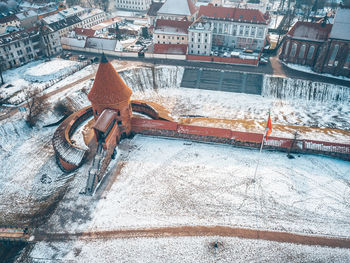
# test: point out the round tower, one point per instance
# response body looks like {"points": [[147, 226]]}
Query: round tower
{"points": [[109, 91]]}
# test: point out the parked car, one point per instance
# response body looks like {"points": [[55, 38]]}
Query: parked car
{"points": [[68, 55], [263, 61], [82, 57], [248, 51]]}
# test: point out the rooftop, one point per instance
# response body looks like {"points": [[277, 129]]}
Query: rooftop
{"points": [[178, 7], [84, 31], [153, 9], [108, 87], [178, 49], [341, 26], [310, 31], [236, 14], [104, 120], [172, 26]]}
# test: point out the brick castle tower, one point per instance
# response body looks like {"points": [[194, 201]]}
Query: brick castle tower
{"points": [[109, 91]]}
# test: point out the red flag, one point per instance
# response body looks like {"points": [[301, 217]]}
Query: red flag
{"points": [[268, 127]]}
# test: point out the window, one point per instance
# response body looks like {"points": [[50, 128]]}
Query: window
{"points": [[286, 49], [294, 50], [333, 55], [183, 38], [302, 51], [199, 46], [310, 53], [347, 61]]}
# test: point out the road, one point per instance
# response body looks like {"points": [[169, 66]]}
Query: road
{"points": [[275, 67], [200, 231]]}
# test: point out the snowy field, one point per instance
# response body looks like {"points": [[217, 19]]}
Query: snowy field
{"points": [[186, 249], [36, 74], [165, 182], [160, 182], [249, 112]]}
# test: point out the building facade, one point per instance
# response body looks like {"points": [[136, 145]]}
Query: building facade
{"points": [[230, 28], [303, 43], [178, 10], [200, 38], [171, 32], [134, 5], [68, 19], [334, 57], [24, 46], [323, 47]]}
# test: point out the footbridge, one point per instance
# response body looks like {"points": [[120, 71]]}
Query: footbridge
{"points": [[15, 234]]}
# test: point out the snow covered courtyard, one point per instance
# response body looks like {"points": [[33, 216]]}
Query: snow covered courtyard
{"points": [[159, 182]]}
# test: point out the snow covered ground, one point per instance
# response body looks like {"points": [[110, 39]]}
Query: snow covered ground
{"points": [[253, 109], [164, 182], [161, 182], [309, 70], [37, 74], [185, 249]]}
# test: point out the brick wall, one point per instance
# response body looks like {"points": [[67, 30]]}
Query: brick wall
{"points": [[243, 139], [252, 62]]}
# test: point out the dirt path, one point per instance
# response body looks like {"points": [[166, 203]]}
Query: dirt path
{"points": [[201, 231]]}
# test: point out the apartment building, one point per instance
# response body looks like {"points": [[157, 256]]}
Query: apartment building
{"points": [[232, 28], [133, 5], [23, 46]]}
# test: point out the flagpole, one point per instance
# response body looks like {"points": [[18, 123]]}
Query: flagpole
{"points": [[257, 164]]}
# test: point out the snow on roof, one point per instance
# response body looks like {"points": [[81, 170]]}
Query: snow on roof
{"points": [[179, 49], [153, 9], [75, 10], [178, 7], [90, 13], [106, 23], [26, 14], [102, 43], [7, 19], [108, 87], [84, 31], [341, 26], [172, 26], [310, 31], [104, 120], [53, 18], [74, 42], [237, 14]]}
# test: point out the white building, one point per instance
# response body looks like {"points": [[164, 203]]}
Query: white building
{"points": [[24, 46], [68, 19], [178, 10], [134, 5], [200, 38], [171, 32], [233, 27]]}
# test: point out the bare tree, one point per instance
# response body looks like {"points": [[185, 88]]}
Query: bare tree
{"points": [[36, 104]]}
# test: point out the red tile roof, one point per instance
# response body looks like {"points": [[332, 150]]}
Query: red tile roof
{"points": [[192, 7], [310, 31], [84, 31], [108, 87], [237, 14], [180, 26], [104, 120], [176, 49]]}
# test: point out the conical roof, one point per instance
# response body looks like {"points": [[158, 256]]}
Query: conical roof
{"points": [[108, 87]]}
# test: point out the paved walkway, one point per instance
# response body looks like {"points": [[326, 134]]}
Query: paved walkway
{"points": [[312, 240]]}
